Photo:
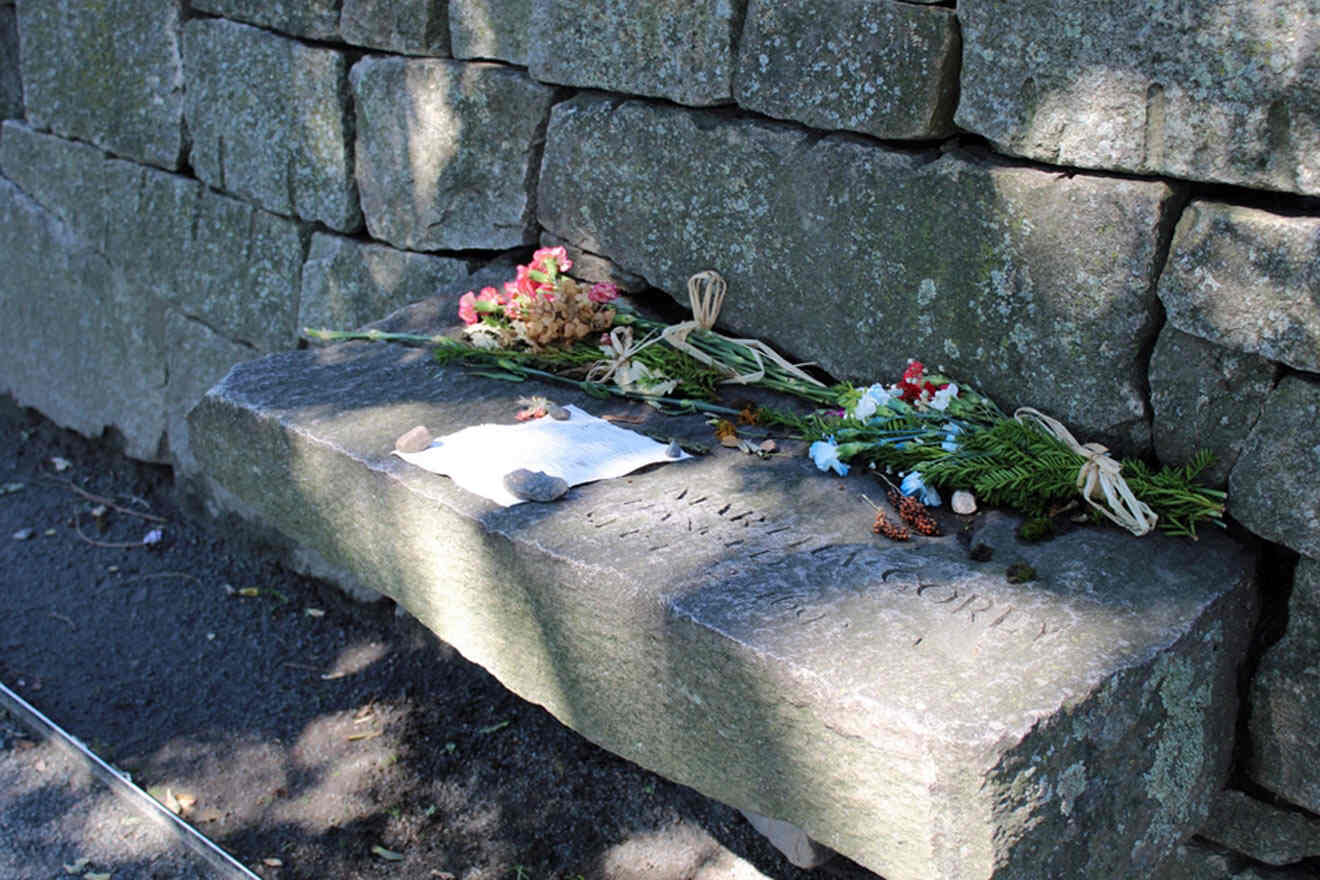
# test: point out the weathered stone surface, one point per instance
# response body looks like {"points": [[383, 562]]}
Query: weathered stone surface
{"points": [[447, 152], [1274, 489], [1197, 861], [11, 84], [318, 19], [158, 264], [494, 30], [1038, 288], [269, 118], [673, 49], [1202, 89], [410, 27], [1247, 279], [77, 336], [347, 283], [108, 73], [1285, 700], [1205, 396], [731, 623], [196, 357], [1265, 833], [878, 67]]}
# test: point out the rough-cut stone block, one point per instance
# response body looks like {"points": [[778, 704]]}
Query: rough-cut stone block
{"points": [[447, 152], [160, 245], [494, 30], [878, 67], [107, 73], [1268, 834], [11, 84], [410, 27], [1247, 279], [673, 49], [318, 19], [1197, 861], [1274, 489], [731, 623], [1202, 90], [196, 357], [269, 118], [1205, 396], [1037, 287], [77, 335], [346, 283], [1285, 699]]}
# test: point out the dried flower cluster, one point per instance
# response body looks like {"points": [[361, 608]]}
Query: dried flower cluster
{"points": [[891, 530], [914, 513], [540, 307]]}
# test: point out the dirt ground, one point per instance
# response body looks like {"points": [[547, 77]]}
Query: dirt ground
{"points": [[310, 736]]}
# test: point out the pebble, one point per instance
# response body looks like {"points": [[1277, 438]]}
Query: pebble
{"points": [[557, 412], [963, 502], [414, 441], [674, 450], [534, 485]]}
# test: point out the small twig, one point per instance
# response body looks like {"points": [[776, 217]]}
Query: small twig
{"points": [[99, 499], [301, 666], [61, 617], [111, 545]]}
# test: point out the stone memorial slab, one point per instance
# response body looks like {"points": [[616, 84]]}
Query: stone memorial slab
{"points": [[1285, 700], [106, 73], [877, 67], [490, 30], [270, 121], [447, 152], [1039, 288], [733, 624], [317, 19], [409, 27], [674, 49], [1247, 279], [1203, 90]]}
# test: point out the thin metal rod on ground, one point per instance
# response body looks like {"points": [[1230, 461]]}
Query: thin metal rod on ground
{"points": [[144, 804]]}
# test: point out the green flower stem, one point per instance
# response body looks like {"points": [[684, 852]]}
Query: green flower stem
{"points": [[323, 335]]}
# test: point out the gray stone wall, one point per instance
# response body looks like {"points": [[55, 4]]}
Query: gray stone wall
{"points": [[1103, 211]]}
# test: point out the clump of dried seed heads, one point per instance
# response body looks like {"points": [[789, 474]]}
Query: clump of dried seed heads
{"points": [[914, 513]]}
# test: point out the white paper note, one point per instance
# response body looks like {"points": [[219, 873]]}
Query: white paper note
{"points": [[579, 450]]}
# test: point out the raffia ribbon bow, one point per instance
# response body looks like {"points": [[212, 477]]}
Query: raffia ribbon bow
{"points": [[706, 292], [618, 351], [1099, 474]]}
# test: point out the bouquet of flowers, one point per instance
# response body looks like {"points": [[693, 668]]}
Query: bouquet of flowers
{"points": [[939, 434], [934, 432]]}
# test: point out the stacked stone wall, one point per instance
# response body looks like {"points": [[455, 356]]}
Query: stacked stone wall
{"points": [[1111, 213]]}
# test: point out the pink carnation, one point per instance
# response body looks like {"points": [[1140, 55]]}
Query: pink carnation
{"points": [[558, 254], [603, 292], [467, 308]]}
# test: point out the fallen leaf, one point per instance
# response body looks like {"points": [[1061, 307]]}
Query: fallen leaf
{"points": [[50, 533], [495, 727], [726, 433], [96, 876], [186, 801], [77, 866], [99, 511], [11, 488], [249, 592], [272, 862], [155, 536], [313, 612], [40, 765], [60, 464], [166, 798], [388, 855], [23, 534], [768, 446]]}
